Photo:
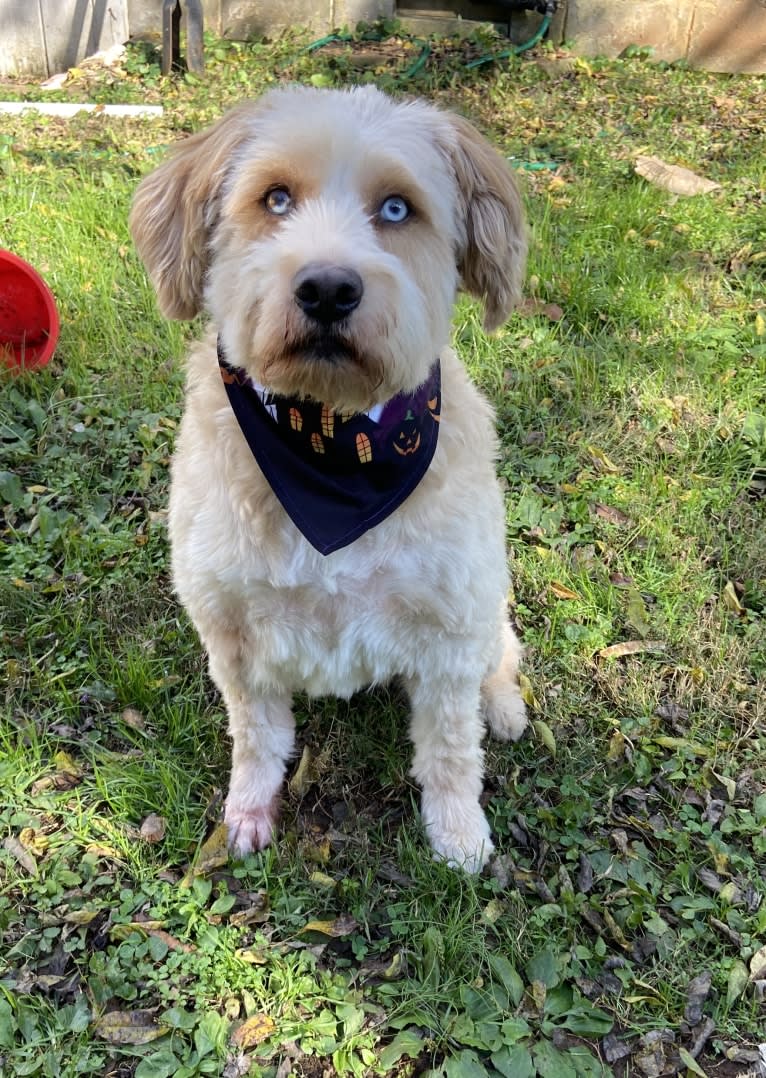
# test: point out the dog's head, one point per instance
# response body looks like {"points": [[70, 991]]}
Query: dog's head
{"points": [[326, 232]]}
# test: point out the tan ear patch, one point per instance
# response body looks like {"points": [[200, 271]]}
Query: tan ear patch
{"points": [[493, 257], [175, 209]]}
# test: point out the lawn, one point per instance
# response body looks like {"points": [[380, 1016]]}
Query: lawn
{"points": [[622, 926]]}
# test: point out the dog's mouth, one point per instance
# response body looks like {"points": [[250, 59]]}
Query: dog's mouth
{"points": [[324, 347]]}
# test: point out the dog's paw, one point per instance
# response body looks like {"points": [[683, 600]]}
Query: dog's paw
{"points": [[506, 713], [250, 829], [462, 839]]}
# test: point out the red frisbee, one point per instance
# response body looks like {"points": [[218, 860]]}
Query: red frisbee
{"points": [[29, 321]]}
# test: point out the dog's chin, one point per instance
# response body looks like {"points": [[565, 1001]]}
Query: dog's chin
{"points": [[327, 368]]}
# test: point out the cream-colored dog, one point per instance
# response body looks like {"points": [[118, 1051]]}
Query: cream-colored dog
{"points": [[326, 234]]}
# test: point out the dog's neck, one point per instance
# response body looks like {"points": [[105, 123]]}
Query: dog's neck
{"points": [[337, 474]]}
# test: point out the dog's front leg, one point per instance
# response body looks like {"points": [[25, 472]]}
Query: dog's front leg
{"points": [[262, 730], [446, 730]]}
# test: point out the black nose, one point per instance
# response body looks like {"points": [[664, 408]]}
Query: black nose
{"points": [[327, 294]]}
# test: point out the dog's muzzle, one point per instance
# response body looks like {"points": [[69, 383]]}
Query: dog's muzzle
{"points": [[327, 294]]}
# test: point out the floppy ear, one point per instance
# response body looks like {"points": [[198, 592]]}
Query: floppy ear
{"points": [[176, 208], [491, 260]]}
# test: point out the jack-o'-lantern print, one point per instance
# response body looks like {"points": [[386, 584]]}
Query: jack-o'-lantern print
{"points": [[434, 408], [296, 419], [407, 438]]}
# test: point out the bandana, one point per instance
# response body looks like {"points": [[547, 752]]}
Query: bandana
{"points": [[337, 474]]}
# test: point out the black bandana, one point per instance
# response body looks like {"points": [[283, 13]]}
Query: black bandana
{"points": [[337, 474]]}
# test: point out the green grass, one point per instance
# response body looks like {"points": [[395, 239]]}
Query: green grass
{"points": [[631, 821]]}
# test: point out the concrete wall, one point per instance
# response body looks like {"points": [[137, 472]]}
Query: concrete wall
{"points": [[41, 37], [718, 35]]}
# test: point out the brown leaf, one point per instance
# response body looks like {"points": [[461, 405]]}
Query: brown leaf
{"points": [[128, 1027], [256, 914], [153, 828], [532, 306], [731, 599], [675, 178], [611, 514], [24, 857], [133, 718], [561, 591], [257, 1028], [602, 461], [630, 647], [212, 854], [304, 774]]}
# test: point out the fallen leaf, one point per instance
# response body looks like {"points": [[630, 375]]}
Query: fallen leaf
{"points": [[758, 965], [33, 840], [256, 914], [675, 178], [341, 926], [128, 1027], [133, 718], [636, 615], [257, 1028], [24, 857], [211, 855], [696, 997], [561, 591], [616, 749], [531, 306], [545, 734], [526, 691], [731, 599], [682, 743], [737, 981], [153, 828], [304, 774], [611, 514], [602, 461], [630, 647], [690, 1062]]}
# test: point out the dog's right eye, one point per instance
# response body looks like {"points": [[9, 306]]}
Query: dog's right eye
{"points": [[278, 201]]}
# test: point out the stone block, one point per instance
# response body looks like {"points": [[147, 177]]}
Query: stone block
{"points": [[608, 27]]}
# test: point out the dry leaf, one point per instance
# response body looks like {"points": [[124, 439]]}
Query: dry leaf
{"points": [[304, 774], [24, 857], [211, 855], [153, 828], [256, 1029], [675, 178], [758, 965], [561, 591], [526, 691], [696, 997], [731, 599], [612, 515], [34, 841], [602, 461], [630, 647], [133, 718], [128, 1027], [341, 926], [737, 982], [616, 749]]}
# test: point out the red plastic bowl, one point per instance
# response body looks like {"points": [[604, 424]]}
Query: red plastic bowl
{"points": [[29, 321]]}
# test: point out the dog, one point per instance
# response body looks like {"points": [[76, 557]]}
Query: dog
{"points": [[335, 518]]}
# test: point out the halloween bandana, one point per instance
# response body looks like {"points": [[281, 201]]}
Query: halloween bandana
{"points": [[337, 474]]}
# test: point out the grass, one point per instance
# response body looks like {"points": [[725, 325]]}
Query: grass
{"points": [[631, 822]]}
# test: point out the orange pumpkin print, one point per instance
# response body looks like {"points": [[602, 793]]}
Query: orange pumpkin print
{"points": [[364, 448], [316, 443], [432, 405], [328, 422], [296, 419]]}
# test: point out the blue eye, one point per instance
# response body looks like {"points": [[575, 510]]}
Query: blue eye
{"points": [[278, 201], [394, 210]]}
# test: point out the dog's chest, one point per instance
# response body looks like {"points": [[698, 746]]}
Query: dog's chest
{"points": [[338, 632]]}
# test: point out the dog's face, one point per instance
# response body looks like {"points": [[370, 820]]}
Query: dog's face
{"points": [[326, 233]]}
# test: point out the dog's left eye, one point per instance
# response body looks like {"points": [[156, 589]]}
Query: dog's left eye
{"points": [[394, 210], [278, 201]]}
